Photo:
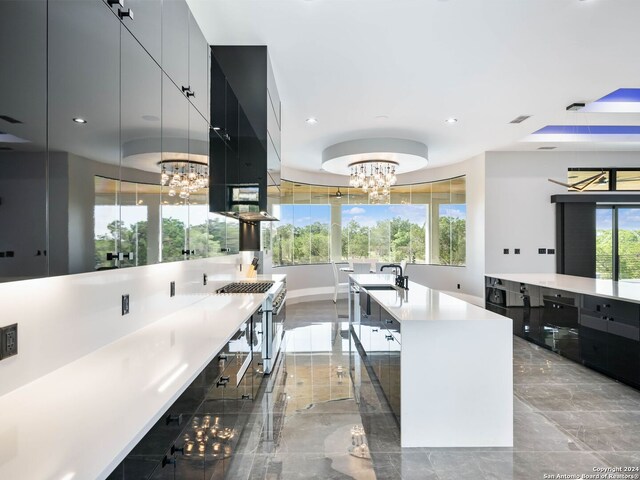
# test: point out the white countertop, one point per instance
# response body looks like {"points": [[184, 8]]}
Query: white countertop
{"points": [[420, 303], [628, 291], [81, 420]]}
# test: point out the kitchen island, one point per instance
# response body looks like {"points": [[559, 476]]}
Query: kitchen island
{"points": [[454, 362], [591, 321]]}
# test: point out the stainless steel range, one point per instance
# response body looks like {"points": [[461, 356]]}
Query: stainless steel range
{"points": [[246, 287], [273, 313]]}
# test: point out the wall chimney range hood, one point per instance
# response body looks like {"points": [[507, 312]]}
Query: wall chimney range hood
{"points": [[241, 138]]}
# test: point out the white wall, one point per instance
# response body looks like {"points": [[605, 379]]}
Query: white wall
{"points": [[61, 319], [519, 212]]}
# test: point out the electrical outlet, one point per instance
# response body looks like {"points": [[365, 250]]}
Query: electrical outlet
{"points": [[517, 251], [505, 251], [125, 304], [542, 251], [172, 289], [204, 278], [9, 345]]}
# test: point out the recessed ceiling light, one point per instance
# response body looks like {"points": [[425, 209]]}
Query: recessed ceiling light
{"points": [[451, 120], [311, 120], [79, 120]]}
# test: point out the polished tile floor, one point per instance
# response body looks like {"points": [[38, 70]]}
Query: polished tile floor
{"points": [[567, 419]]}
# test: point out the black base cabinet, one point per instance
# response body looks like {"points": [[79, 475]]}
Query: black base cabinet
{"points": [[601, 333], [197, 436], [380, 339]]}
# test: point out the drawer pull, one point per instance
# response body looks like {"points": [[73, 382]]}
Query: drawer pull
{"points": [[374, 330], [388, 321], [174, 419], [175, 449], [389, 337]]}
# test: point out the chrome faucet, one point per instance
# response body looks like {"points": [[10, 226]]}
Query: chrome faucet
{"points": [[401, 281]]}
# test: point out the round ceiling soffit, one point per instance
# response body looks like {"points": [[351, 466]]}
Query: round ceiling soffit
{"points": [[408, 154]]}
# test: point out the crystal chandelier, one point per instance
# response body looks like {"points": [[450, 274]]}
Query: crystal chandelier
{"points": [[184, 177], [374, 177]]}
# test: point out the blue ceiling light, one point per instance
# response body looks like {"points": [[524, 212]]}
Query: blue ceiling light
{"points": [[589, 130], [622, 95], [622, 100]]}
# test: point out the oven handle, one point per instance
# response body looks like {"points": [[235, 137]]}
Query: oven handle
{"points": [[284, 299]]}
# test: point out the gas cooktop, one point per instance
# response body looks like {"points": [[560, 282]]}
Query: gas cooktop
{"points": [[246, 287]]}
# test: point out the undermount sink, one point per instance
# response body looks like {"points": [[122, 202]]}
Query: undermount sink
{"points": [[380, 287]]}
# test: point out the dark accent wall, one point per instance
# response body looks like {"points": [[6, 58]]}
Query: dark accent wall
{"points": [[576, 239]]}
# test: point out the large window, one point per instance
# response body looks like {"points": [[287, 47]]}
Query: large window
{"points": [[421, 223], [618, 243]]}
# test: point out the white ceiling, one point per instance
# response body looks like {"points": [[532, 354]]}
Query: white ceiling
{"points": [[422, 61]]}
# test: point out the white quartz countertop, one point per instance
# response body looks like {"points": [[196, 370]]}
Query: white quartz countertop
{"points": [[81, 420], [628, 291], [420, 303]]}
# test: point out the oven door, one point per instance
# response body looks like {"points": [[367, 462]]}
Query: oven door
{"points": [[273, 324]]}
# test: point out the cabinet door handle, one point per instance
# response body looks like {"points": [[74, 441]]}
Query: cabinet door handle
{"points": [[113, 3], [389, 337], [191, 94], [387, 321], [186, 89], [173, 419], [125, 13]]}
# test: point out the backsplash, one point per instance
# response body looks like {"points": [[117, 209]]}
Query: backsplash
{"points": [[61, 319]]}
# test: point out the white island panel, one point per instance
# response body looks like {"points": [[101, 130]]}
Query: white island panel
{"points": [[457, 384]]}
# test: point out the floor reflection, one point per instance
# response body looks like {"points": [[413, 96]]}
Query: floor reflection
{"points": [[567, 419]]}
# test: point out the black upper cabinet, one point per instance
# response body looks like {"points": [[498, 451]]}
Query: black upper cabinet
{"points": [[140, 137], [82, 122], [143, 18], [199, 58], [175, 41], [185, 53], [84, 86], [23, 223]]}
